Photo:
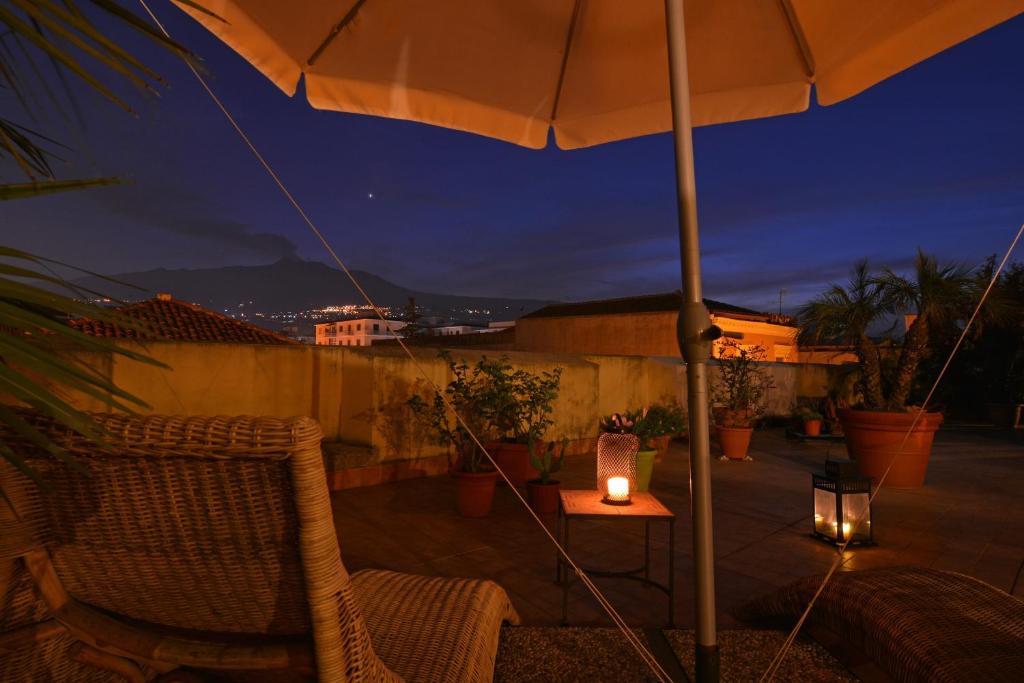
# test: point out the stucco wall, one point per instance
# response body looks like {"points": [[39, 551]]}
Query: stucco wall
{"points": [[641, 334], [359, 395]]}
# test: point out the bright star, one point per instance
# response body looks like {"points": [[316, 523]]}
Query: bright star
{"points": [[369, 195]]}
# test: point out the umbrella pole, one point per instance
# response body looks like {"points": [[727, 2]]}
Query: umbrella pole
{"points": [[696, 334]]}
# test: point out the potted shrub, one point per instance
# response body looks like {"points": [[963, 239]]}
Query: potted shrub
{"points": [[518, 404], [474, 476], [811, 420], [668, 420], [542, 492], [882, 415], [740, 395]]}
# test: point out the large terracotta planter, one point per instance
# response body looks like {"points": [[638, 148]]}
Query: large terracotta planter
{"points": [[543, 497], [514, 461], [644, 469], [873, 440], [735, 441], [812, 427], [474, 493]]}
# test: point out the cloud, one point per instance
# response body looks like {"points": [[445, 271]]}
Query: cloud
{"points": [[181, 212]]}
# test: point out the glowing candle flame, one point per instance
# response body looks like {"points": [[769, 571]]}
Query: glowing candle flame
{"points": [[618, 488]]}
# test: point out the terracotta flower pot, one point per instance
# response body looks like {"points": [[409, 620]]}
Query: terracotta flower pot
{"points": [[543, 497], [660, 444], [812, 427], [735, 441], [644, 469], [474, 493], [873, 440], [514, 461]]}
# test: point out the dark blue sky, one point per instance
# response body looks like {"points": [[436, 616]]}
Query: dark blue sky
{"points": [[934, 158]]}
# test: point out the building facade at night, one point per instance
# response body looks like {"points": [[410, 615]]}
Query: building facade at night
{"points": [[646, 326], [358, 332]]}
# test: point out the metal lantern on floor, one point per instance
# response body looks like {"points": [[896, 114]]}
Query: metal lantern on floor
{"points": [[616, 467], [842, 503]]}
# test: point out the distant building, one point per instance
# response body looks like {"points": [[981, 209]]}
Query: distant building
{"points": [[166, 318], [646, 326], [452, 330], [499, 325], [357, 332]]}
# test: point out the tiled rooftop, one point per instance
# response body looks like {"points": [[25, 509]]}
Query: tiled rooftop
{"points": [[166, 318], [649, 303]]}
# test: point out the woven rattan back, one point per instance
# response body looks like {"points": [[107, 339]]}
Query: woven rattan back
{"points": [[211, 524]]}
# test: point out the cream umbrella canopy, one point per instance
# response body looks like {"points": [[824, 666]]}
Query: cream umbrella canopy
{"points": [[596, 71]]}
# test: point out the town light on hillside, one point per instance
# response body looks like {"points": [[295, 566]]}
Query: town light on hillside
{"points": [[842, 503], [616, 467]]}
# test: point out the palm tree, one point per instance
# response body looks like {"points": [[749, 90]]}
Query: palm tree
{"points": [[935, 295], [844, 313]]}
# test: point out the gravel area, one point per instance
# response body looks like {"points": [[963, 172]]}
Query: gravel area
{"points": [[746, 654], [550, 654], [554, 655]]}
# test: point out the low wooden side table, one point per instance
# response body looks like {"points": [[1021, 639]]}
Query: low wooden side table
{"points": [[584, 504]]}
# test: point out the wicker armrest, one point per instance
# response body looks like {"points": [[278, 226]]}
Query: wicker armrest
{"points": [[434, 629]]}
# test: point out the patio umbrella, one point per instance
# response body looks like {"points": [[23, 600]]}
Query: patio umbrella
{"points": [[595, 71]]}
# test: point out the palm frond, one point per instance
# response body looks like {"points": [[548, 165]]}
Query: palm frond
{"points": [[40, 357], [12, 191]]}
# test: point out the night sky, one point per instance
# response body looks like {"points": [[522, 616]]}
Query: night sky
{"points": [[933, 157]]}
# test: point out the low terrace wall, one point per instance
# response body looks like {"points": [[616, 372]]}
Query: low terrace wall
{"points": [[359, 395]]}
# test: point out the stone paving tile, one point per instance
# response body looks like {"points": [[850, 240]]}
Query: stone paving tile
{"points": [[967, 518]]}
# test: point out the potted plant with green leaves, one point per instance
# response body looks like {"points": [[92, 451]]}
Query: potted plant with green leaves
{"points": [[740, 396], [667, 421], [542, 492], [518, 403], [883, 428], [460, 423], [810, 420]]}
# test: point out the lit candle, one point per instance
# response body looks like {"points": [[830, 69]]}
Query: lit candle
{"points": [[618, 488], [846, 528]]}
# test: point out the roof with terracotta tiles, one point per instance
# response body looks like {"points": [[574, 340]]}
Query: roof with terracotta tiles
{"points": [[169, 319], [651, 303]]}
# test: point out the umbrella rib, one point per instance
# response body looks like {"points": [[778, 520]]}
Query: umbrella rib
{"points": [[338, 28], [565, 58], [801, 39]]}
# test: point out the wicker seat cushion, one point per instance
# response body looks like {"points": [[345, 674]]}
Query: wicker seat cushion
{"points": [[917, 624], [433, 629]]}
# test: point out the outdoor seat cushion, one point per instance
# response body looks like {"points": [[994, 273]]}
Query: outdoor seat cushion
{"points": [[433, 629], [917, 624]]}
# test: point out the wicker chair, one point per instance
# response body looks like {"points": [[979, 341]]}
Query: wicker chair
{"points": [[209, 543], [915, 624]]}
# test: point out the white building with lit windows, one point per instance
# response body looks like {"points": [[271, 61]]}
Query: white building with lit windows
{"points": [[358, 332]]}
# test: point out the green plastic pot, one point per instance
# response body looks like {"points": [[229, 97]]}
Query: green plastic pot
{"points": [[644, 469]]}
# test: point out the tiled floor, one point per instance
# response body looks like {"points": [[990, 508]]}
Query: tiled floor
{"points": [[969, 518]]}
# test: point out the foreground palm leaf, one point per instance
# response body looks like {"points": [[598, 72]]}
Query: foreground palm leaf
{"points": [[39, 36], [40, 356]]}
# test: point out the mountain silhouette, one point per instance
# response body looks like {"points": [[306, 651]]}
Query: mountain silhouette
{"points": [[293, 285]]}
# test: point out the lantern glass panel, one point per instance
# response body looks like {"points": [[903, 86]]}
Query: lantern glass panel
{"points": [[857, 517], [825, 512]]}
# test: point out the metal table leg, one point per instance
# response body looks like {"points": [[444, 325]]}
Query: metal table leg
{"points": [[647, 549], [566, 572], [671, 572]]}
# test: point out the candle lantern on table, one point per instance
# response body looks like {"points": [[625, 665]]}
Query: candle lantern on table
{"points": [[616, 467], [842, 504]]}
